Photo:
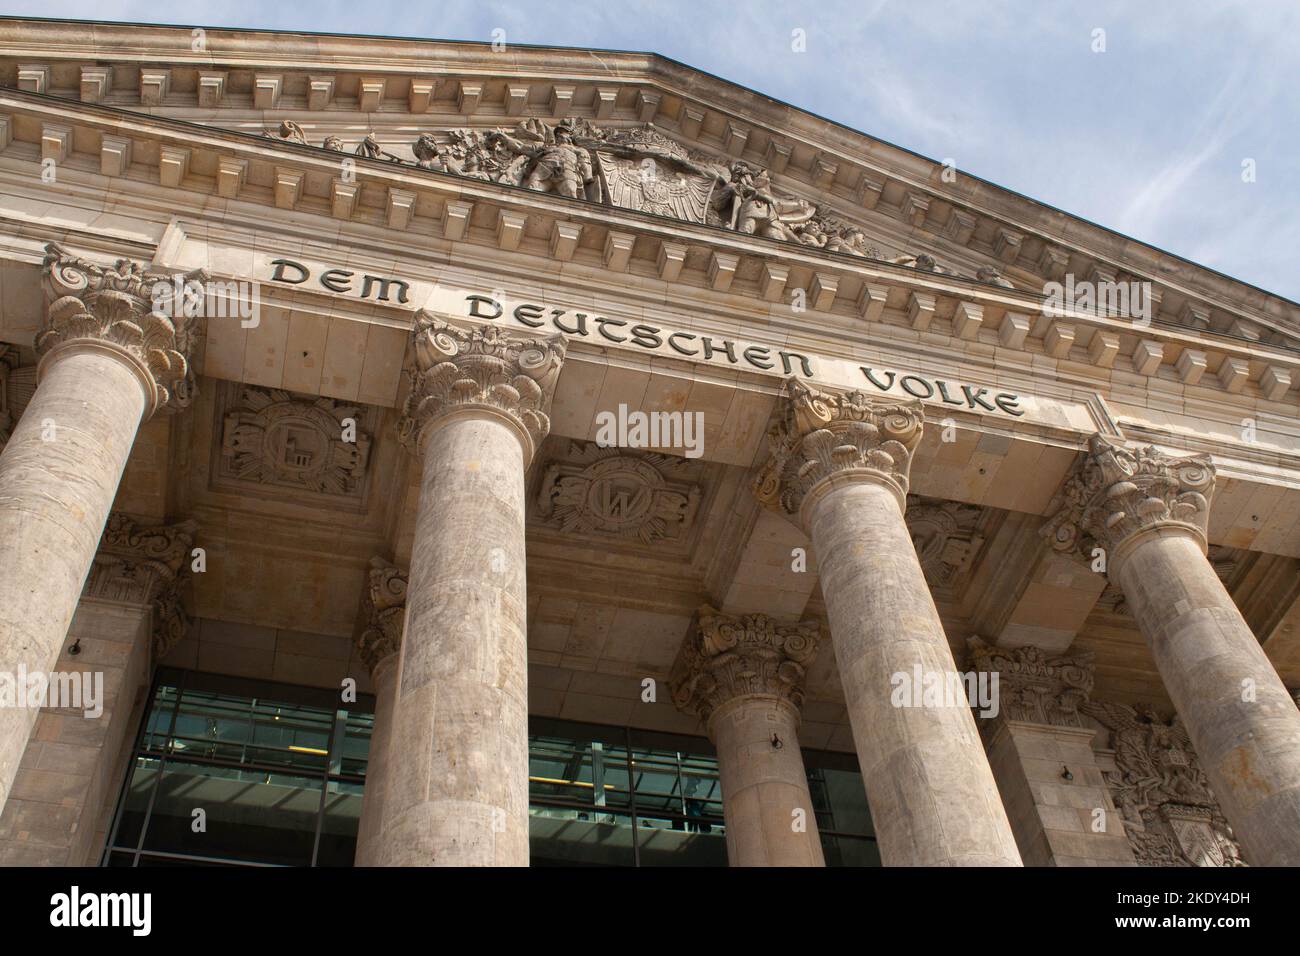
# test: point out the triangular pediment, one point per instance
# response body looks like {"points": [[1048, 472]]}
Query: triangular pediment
{"points": [[641, 168], [810, 182]]}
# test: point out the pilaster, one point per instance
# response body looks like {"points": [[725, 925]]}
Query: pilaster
{"points": [[379, 644], [1040, 749]]}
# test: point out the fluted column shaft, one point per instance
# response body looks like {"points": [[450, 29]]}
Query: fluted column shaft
{"points": [[458, 794], [842, 462], [1148, 512]]}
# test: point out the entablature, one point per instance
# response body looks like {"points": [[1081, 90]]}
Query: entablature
{"points": [[796, 287], [247, 79]]}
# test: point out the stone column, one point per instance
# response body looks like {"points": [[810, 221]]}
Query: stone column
{"points": [[129, 616], [378, 645], [476, 413], [744, 676], [107, 363], [1148, 512], [841, 463], [1040, 749]]}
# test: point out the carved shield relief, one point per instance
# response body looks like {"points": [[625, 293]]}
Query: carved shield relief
{"points": [[653, 186]]}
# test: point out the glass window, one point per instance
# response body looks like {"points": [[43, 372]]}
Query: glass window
{"points": [[613, 796], [231, 771], [279, 773]]}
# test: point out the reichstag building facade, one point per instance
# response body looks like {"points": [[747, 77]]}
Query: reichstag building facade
{"points": [[420, 453]]}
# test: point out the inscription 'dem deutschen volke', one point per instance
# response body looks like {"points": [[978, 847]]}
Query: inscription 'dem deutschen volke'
{"points": [[653, 338]]}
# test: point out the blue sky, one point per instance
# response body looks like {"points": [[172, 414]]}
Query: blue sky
{"points": [[1147, 137]]}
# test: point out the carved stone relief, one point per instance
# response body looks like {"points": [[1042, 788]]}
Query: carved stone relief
{"points": [[139, 564], [17, 385], [116, 305], [1035, 686], [948, 536], [1171, 816], [273, 437], [615, 492], [635, 168]]}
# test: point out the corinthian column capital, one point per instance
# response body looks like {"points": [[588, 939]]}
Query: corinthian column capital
{"points": [[129, 311], [1035, 686], [480, 369], [822, 439], [145, 564], [726, 658], [385, 610], [1117, 494]]}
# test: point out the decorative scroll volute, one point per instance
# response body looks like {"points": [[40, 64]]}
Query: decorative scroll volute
{"points": [[126, 307], [1034, 686], [1117, 493], [144, 564], [480, 367], [819, 435], [385, 608], [727, 657]]}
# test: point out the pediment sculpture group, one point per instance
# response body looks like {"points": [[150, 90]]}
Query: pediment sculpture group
{"points": [[635, 168]]}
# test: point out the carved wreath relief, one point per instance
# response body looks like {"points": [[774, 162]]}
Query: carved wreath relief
{"points": [[273, 437], [618, 493], [947, 536]]}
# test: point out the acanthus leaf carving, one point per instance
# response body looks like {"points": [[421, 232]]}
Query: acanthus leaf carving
{"points": [[480, 367], [130, 308], [385, 610], [1117, 492], [146, 564], [726, 657], [818, 435], [1034, 686]]}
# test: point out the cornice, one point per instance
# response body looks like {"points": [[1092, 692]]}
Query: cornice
{"points": [[847, 165], [862, 288]]}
